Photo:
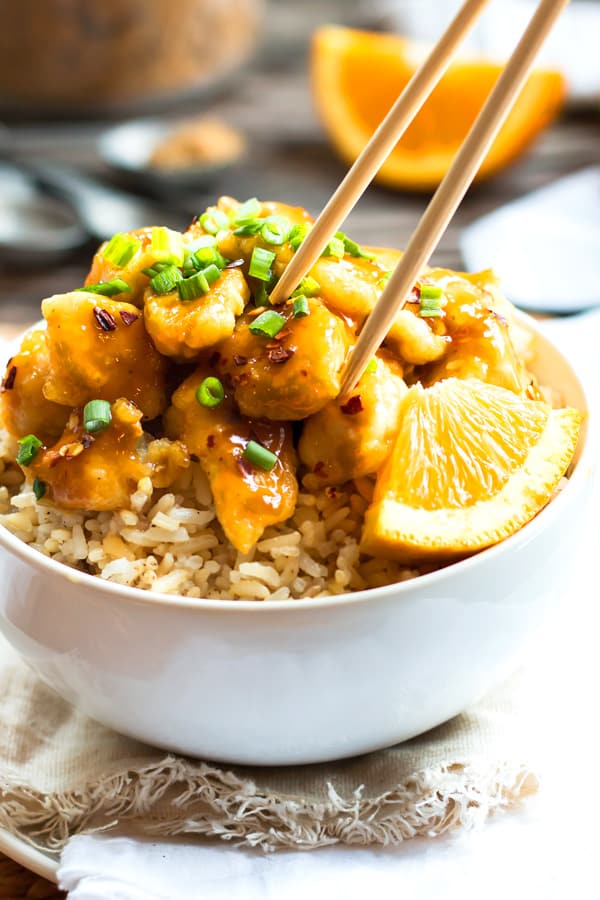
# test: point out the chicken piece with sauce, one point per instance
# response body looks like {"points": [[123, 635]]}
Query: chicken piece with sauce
{"points": [[25, 409], [181, 329], [354, 439], [289, 376], [99, 349], [247, 498], [94, 471]]}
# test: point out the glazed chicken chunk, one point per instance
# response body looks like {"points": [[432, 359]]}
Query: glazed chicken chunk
{"points": [[289, 376], [354, 439], [182, 329], [25, 409], [247, 497], [99, 349]]}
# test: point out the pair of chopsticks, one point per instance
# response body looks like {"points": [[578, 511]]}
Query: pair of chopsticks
{"points": [[451, 190]]}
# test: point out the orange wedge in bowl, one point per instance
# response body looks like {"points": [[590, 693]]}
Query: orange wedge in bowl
{"points": [[356, 76], [472, 463]]}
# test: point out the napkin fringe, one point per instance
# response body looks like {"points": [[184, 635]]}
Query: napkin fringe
{"points": [[175, 796]]}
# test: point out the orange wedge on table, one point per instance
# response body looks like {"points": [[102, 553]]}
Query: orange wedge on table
{"points": [[471, 464], [356, 76]]}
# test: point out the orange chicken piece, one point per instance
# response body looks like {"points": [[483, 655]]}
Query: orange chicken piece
{"points": [[99, 349], [25, 409], [247, 498]]}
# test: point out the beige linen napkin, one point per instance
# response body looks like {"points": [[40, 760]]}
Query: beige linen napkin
{"points": [[61, 773]]}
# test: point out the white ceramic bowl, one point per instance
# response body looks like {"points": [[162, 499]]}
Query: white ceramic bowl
{"points": [[298, 681]]}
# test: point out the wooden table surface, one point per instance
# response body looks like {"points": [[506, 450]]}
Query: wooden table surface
{"points": [[289, 159]]}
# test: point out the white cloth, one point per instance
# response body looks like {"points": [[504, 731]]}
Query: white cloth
{"points": [[545, 245], [542, 851]]}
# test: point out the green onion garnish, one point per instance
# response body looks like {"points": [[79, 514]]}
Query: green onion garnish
{"points": [[206, 256], [39, 488], [301, 307], [248, 210], [107, 288], [371, 365], [297, 235], [167, 246], [154, 269], [121, 249], [335, 248], [429, 302], [260, 264], [275, 230], [96, 415], [164, 282], [268, 324], [252, 226], [308, 287], [210, 392], [259, 456], [351, 247], [190, 288], [29, 447], [214, 221], [260, 295], [211, 273]]}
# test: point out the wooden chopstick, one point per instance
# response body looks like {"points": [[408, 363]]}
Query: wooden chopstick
{"points": [[451, 191], [377, 150]]}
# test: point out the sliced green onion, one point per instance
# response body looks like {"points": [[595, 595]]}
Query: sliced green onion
{"points": [[210, 392], [261, 297], [214, 221], [308, 287], [371, 365], [431, 292], [211, 273], [164, 282], [351, 247], [248, 210], [167, 246], [96, 415], [190, 288], [260, 264], [268, 324], [39, 488], [205, 240], [121, 249], [252, 226], [297, 235], [29, 447], [335, 248], [301, 307], [429, 301], [275, 230], [259, 456], [107, 288], [154, 269]]}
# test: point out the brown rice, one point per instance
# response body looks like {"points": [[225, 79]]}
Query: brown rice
{"points": [[170, 541]]}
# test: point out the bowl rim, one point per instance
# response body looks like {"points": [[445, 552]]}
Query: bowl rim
{"points": [[582, 470]]}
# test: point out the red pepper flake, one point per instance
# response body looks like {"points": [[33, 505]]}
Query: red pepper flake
{"points": [[235, 264], [240, 360], [241, 379], [9, 382], [244, 465], [319, 470], [210, 443], [194, 220], [214, 358], [353, 406], [280, 355], [194, 458], [104, 319], [128, 317], [87, 440], [283, 334]]}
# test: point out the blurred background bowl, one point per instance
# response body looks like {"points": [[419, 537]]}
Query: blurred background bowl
{"points": [[69, 57]]}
